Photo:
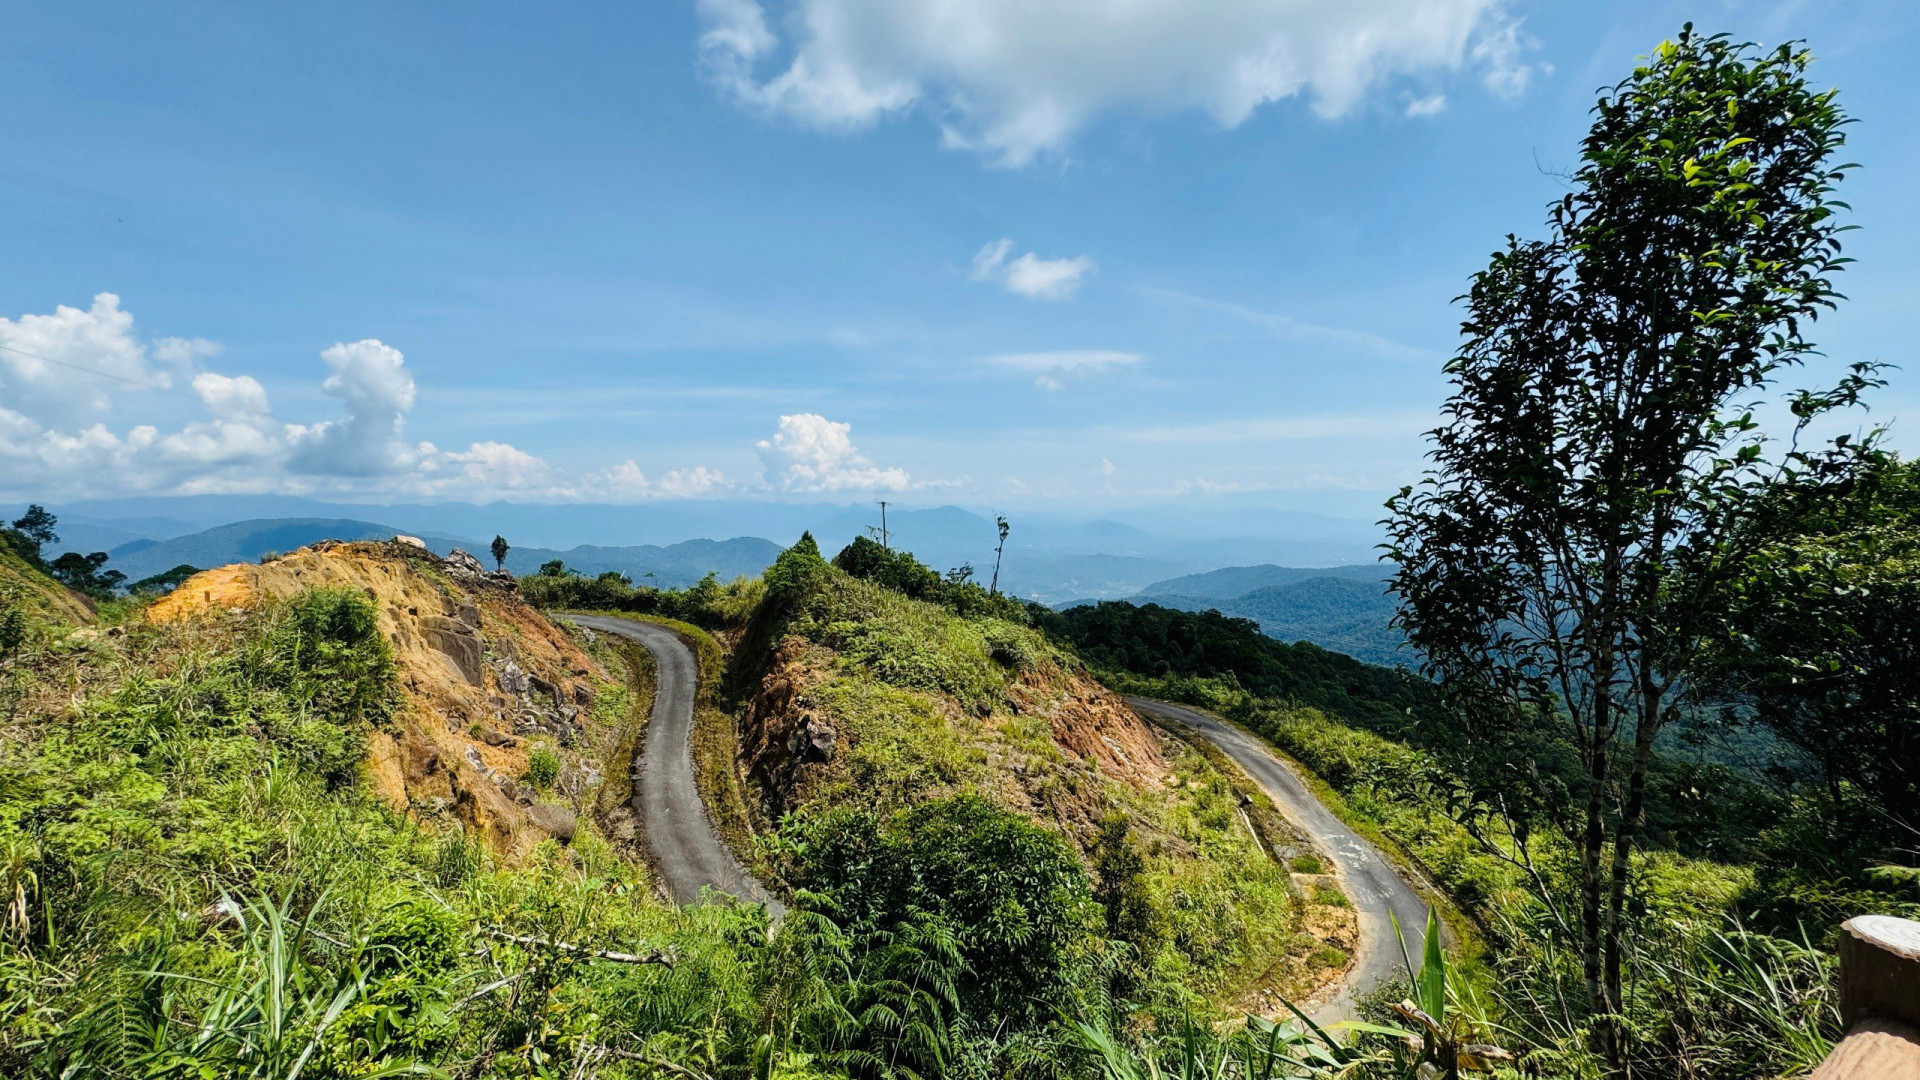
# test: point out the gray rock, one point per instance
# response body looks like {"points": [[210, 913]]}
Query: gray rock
{"points": [[512, 679], [457, 640], [557, 821], [497, 738], [462, 562], [815, 740]]}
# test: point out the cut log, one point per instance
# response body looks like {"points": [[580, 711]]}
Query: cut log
{"points": [[1879, 1001]]}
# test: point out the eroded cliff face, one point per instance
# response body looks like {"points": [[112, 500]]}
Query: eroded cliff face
{"points": [[484, 677], [1052, 745]]}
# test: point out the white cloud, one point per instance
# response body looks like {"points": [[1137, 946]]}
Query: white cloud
{"points": [[1500, 53], [67, 366], [627, 481], [53, 445], [1052, 370], [1016, 78], [810, 453], [1030, 275], [1431, 105]]}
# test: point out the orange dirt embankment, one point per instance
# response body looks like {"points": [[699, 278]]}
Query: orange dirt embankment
{"points": [[483, 673]]}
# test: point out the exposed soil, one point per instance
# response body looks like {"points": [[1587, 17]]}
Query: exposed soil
{"points": [[484, 677]]}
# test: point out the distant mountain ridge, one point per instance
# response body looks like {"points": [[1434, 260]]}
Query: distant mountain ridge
{"points": [[668, 566], [1342, 608]]}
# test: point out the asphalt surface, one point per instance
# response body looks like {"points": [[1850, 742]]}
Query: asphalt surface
{"points": [[1368, 879], [688, 853]]}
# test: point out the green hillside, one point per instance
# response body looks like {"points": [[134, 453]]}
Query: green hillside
{"points": [[23, 583]]}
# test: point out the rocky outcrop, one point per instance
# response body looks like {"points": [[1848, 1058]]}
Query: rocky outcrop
{"points": [[481, 671]]}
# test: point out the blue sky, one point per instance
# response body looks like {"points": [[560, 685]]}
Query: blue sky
{"points": [[601, 251]]}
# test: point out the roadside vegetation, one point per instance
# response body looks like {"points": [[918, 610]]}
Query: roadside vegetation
{"points": [[1666, 736]]}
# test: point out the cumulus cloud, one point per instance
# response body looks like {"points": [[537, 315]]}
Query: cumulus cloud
{"points": [[810, 454], [68, 365], [1016, 78], [72, 368], [1431, 105], [1029, 275], [1052, 370]]}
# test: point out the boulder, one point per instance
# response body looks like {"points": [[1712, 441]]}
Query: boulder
{"points": [[496, 738], [463, 562], [410, 541], [557, 821], [815, 740], [512, 679]]}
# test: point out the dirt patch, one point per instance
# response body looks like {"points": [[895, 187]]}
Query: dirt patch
{"points": [[486, 679]]}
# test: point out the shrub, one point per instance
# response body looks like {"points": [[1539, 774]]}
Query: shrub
{"points": [[1012, 893], [543, 767]]}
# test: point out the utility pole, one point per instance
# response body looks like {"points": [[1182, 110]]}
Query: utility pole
{"points": [[883, 526]]}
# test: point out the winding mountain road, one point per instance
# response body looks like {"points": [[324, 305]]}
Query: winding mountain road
{"points": [[688, 853], [1371, 882]]}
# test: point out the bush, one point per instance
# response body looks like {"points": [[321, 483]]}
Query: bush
{"points": [[543, 767], [1012, 893]]}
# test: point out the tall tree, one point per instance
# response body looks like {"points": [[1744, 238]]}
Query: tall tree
{"points": [[1000, 523], [37, 524], [500, 550], [1592, 481]]}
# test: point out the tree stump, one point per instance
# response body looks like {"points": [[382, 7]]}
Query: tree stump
{"points": [[1879, 1001]]}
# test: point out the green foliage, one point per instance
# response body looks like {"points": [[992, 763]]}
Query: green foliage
{"points": [[902, 573], [83, 574], [1121, 888], [707, 604], [164, 582], [543, 766], [499, 549], [1157, 642], [1012, 895]]}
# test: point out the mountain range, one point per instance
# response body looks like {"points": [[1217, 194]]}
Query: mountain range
{"points": [[1343, 608], [1048, 558]]}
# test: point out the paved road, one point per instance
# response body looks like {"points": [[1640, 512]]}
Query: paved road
{"points": [[1368, 879], [687, 851]]}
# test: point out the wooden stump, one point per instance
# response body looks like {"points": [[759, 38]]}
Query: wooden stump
{"points": [[1879, 1001]]}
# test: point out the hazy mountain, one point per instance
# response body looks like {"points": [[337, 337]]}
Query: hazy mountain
{"points": [[670, 566], [1232, 581], [1049, 557], [247, 541], [943, 535], [1343, 608]]}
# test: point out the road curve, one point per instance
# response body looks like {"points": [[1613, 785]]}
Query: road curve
{"points": [[687, 851], [1371, 882]]}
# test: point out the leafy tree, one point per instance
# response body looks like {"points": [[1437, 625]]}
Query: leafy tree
{"points": [[553, 568], [960, 575], [1823, 647], [164, 582], [32, 531], [83, 575], [1120, 888], [499, 549], [37, 524], [1000, 524], [1594, 480]]}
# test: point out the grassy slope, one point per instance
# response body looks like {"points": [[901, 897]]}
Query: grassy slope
{"points": [[927, 704], [42, 595]]}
